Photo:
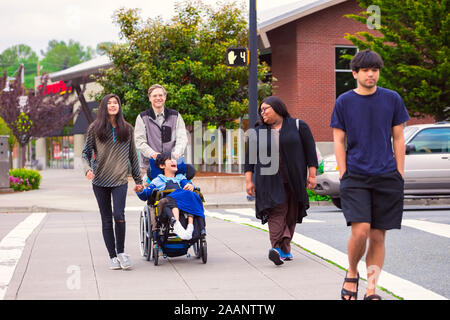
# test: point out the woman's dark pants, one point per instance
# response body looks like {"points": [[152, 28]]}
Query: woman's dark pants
{"points": [[118, 194], [282, 220]]}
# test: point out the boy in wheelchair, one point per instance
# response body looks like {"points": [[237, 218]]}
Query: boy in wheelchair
{"points": [[183, 198]]}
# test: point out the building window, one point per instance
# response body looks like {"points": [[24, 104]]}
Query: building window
{"points": [[343, 74]]}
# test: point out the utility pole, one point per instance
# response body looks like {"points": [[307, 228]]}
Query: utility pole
{"points": [[84, 105], [253, 68]]}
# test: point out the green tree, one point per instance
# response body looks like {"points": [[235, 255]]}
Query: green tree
{"points": [[414, 47], [13, 57], [30, 113], [61, 55], [187, 56], [103, 47]]}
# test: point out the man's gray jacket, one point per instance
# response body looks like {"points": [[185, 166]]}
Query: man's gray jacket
{"points": [[165, 132]]}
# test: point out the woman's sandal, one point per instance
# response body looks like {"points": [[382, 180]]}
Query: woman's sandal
{"points": [[372, 297], [350, 294]]}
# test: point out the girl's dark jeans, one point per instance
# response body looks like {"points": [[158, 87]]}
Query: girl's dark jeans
{"points": [[118, 195]]}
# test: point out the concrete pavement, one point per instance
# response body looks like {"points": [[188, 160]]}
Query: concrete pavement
{"points": [[65, 256]]}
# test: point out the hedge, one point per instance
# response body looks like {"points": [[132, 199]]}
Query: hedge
{"points": [[24, 179]]}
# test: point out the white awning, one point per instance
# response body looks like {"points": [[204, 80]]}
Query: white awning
{"points": [[83, 69], [279, 16]]}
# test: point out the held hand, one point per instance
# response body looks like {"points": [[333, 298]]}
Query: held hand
{"points": [[189, 187], [250, 188], [155, 155], [138, 188], [311, 183], [90, 175]]}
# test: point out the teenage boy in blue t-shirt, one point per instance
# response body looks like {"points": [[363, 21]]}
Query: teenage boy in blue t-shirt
{"points": [[371, 174]]}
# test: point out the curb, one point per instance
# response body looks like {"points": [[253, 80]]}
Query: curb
{"points": [[439, 204], [33, 209], [250, 204]]}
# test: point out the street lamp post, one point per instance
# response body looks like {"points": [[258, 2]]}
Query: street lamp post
{"points": [[253, 67]]}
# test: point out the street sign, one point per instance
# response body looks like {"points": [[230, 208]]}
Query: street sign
{"points": [[237, 57]]}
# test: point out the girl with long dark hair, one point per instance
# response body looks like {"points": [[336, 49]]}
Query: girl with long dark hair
{"points": [[108, 151]]}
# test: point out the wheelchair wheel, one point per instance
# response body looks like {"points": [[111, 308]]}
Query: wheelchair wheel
{"points": [[143, 235], [149, 235], [155, 255], [148, 257], [203, 250], [196, 247]]}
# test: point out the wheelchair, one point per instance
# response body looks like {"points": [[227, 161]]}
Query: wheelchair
{"points": [[156, 234]]}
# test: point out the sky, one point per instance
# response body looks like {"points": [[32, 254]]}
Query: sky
{"points": [[36, 22]]}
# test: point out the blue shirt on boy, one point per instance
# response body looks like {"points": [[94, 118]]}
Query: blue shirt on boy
{"points": [[186, 200], [160, 183], [368, 121]]}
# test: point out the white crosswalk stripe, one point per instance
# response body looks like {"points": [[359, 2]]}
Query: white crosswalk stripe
{"points": [[251, 213], [438, 229], [11, 248]]}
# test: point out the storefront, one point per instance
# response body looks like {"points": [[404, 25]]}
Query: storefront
{"points": [[60, 152], [62, 149]]}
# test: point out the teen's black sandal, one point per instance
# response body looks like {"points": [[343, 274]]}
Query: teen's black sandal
{"points": [[350, 294]]}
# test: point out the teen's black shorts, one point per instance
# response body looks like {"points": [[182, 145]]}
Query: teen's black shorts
{"points": [[377, 200]]}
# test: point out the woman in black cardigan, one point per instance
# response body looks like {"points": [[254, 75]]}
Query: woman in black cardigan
{"points": [[281, 153]]}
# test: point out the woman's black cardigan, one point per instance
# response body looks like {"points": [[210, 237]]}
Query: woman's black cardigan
{"points": [[298, 152]]}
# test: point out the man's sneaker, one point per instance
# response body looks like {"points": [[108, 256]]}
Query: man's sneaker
{"points": [[275, 257], [114, 264], [124, 260]]}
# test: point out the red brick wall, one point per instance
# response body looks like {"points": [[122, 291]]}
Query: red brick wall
{"points": [[284, 70], [427, 119], [303, 62]]}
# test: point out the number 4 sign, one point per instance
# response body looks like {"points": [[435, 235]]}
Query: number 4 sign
{"points": [[237, 57]]}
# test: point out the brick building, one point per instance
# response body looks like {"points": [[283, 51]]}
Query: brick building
{"points": [[305, 40]]}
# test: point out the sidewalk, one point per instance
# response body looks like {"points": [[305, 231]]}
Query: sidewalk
{"points": [[69, 242]]}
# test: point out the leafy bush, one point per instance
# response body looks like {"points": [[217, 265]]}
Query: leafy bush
{"points": [[24, 179], [317, 197], [320, 170]]}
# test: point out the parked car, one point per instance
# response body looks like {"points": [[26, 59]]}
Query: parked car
{"points": [[427, 164]]}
